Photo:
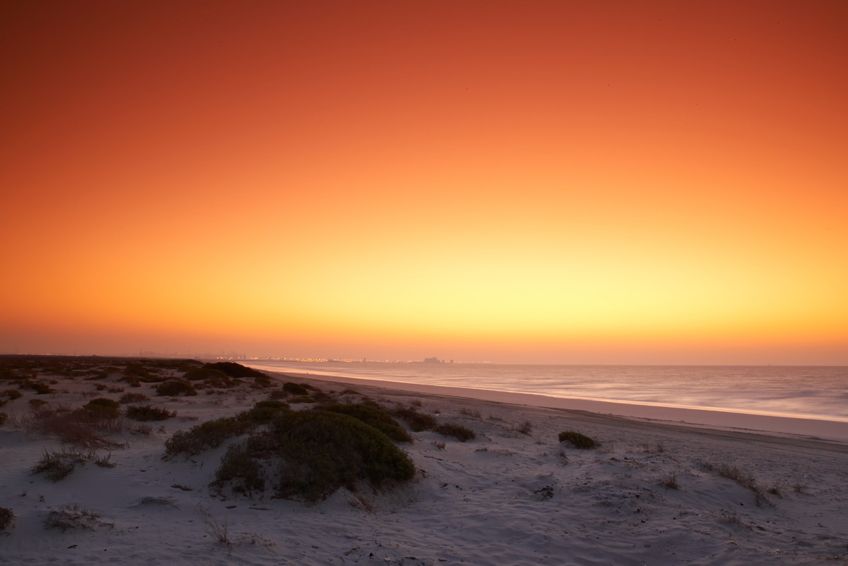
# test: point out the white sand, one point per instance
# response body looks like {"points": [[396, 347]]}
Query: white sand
{"points": [[504, 498]]}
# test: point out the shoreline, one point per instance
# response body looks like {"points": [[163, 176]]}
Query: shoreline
{"points": [[718, 419]]}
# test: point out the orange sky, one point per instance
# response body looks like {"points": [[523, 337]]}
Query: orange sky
{"points": [[514, 181]]}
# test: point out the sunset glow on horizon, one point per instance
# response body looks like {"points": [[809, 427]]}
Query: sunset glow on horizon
{"points": [[574, 182]]}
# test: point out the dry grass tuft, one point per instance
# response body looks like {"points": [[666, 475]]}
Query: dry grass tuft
{"points": [[73, 517]]}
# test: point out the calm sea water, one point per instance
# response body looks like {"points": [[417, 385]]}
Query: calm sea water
{"points": [[815, 391]]}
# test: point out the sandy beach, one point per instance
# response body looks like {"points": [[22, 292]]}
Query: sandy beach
{"points": [[650, 492]]}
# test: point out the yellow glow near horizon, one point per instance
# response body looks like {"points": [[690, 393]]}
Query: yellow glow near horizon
{"points": [[525, 192]]}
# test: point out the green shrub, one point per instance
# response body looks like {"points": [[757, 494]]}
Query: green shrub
{"points": [[416, 420], [374, 415], [456, 431], [578, 440], [322, 451], [133, 398], [240, 469], [295, 388], [148, 413], [263, 411], [205, 436], [102, 409], [175, 388], [7, 518]]}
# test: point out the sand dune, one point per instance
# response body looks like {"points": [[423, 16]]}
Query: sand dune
{"points": [[651, 493]]}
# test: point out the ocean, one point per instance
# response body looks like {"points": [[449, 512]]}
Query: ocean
{"points": [[819, 392]]}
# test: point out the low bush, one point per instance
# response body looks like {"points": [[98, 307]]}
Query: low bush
{"points": [[322, 451], [292, 388], [456, 431], [241, 470], [58, 465], [416, 420], [36, 404], [236, 370], [374, 415], [316, 452], [102, 409], [211, 377], [263, 411], [205, 436], [148, 413], [525, 428], [39, 387], [11, 394], [577, 439], [175, 388], [128, 398], [7, 518], [137, 371], [3, 418]]}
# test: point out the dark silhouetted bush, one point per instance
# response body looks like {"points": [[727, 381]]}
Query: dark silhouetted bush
{"points": [[175, 388], [233, 369], [39, 387], [578, 440], [11, 394], [456, 431], [209, 373], [102, 409], [296, 388], [416, 420], [3, 418], [7, 518], [374, 415], [148, 413]]}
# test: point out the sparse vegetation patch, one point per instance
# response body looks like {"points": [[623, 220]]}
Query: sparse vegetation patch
{"points": [[57, 465], [456, 431], [148, 413], [416, 420], [292, 388], [102, 409], [577, 439], [72, 517], [175, 388]]}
